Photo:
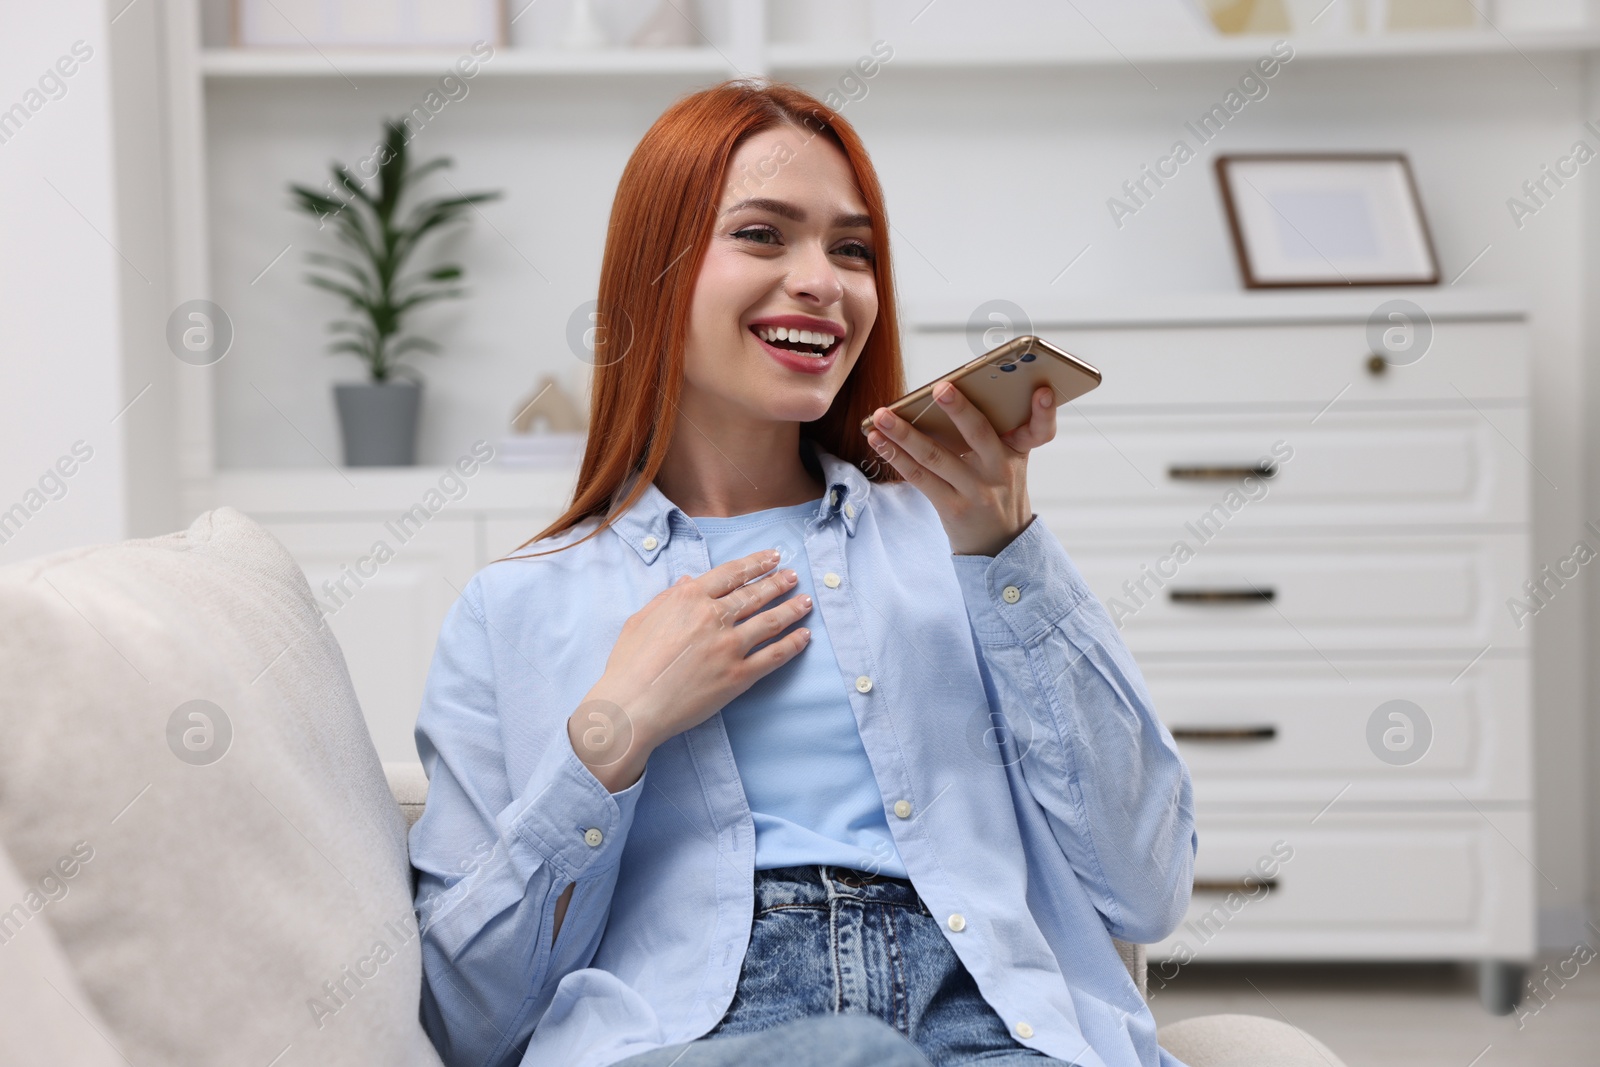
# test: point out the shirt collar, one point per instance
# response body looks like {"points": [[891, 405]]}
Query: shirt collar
{"points": [[653, 519]]}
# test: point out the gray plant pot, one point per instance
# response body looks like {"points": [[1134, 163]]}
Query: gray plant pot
{"points": [[378, 421]]}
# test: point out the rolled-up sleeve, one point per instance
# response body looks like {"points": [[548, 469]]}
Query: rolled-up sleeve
{"points": [[493, 856], [1115, 791]]}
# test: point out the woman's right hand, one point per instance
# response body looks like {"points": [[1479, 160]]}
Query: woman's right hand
{"points": [[681, 658]]}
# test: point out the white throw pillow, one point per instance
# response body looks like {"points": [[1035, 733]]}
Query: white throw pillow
{"points": [[220, 899]]}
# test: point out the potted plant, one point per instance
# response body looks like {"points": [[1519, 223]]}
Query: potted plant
{"points": [[378, 418]]}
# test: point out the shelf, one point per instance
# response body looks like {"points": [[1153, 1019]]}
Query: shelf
{"points": [[1354, 304], [233, 63], [319, 492], [800, 59], [1097, 52]]}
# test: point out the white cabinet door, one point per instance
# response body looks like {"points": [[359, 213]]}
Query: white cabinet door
{"points": [[1303, 367], [1316, 597], [505, 533], [1359, 885], [385, 598], [1293, 735], [1243, 471]]}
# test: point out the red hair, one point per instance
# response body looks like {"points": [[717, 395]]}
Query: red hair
{"points": [[661, 224]]}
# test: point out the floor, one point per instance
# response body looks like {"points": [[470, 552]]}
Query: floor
{"points": [[1411, 1015]]}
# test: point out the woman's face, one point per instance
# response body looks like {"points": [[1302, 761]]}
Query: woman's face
{"points": [[785, 297]]}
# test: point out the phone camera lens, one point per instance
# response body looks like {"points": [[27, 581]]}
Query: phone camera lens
{"points": [[1008, 366], [1027, 357]]}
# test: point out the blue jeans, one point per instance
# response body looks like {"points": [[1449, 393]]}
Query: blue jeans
{"points": [[848, 968]]}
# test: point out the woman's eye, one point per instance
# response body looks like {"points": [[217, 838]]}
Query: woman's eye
{"points": [[752, 232], [857, 249]]}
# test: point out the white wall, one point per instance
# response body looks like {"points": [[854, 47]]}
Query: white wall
{"points": [[61, 277]]}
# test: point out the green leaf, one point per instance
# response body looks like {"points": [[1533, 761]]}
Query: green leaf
{"points": [[418, 299], [419, 172], [352, 185], [355, 270], [421, 344], [358, 299], [391, 169]]}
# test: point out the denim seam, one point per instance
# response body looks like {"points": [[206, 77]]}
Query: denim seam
{"points": [[899, 990]]}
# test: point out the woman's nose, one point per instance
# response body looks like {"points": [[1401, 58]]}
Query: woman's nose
{"points": [[815, 277]]}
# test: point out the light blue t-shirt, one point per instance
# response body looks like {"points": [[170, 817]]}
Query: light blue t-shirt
{"points": [[806, 775]]}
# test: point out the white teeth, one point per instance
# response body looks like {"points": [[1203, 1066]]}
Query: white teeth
{"points": [[805, 337]]}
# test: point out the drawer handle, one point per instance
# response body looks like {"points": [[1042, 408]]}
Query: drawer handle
{"points": [[1233, 885], [1224, 733], [1252, 595], [1229, 473]]}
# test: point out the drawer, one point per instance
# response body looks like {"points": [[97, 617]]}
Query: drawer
{"points": [[1351, 886], [1276, 732], [1312, 595], [1254, 470], [1302, 365]]}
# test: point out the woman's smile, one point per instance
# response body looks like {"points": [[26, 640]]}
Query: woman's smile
{"points": [[799, 342]]}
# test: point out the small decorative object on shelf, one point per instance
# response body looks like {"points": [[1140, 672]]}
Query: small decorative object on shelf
{"points": [[378, 418], [368, 23], [670, 25], [1250, 16], [548, 428], [1326, 219], [1426, 14]]}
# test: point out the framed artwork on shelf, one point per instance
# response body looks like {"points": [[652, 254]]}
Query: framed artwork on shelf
{"points": [[1326, 219], [367, 23]]}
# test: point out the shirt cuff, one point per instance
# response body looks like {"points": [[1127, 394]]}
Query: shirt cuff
{"points": [[568, 817], [1031, 585]]}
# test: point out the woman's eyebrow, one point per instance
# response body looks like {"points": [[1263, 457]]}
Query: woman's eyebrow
{"points": [[796, 214]]}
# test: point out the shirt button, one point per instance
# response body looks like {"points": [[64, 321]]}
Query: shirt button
{"points": [[1024, 1030], [957, 922], [849, 511], [592, 837], [902, 808], [1011, 594], [831, 580], [649, 543], [833, 498], [863, 684]]}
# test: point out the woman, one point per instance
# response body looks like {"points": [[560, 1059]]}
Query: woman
{"points": [[698, 802]]}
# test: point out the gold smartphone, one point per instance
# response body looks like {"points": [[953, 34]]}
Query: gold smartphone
{"points": [[1000, 383]]}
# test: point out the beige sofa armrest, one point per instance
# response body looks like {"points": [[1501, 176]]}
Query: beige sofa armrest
{"points": [[1243, 1041], [1133, 958], [409, 784]]}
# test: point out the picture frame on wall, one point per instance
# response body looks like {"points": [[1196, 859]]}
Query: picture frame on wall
{"points": [[1302, 220], [368, 23]]}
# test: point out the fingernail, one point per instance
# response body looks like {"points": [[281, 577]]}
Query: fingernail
{"points": [[1047, 399], [885, 419], [946, 396]]}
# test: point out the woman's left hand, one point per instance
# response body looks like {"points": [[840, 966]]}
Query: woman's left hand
{"points": [[982, 495]]}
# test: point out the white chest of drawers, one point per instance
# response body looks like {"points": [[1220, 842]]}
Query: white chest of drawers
{"points": [[1293, 536]]}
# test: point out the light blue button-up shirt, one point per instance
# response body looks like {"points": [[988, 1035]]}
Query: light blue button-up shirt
{"points": [[1050, 808], [807, 777]]}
